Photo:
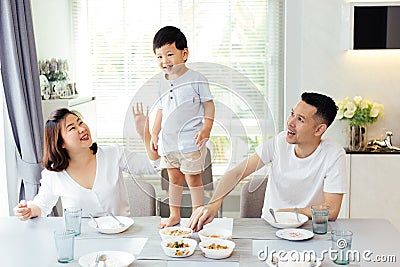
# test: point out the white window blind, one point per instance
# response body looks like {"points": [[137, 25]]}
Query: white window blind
{"points": [[114, 58]]}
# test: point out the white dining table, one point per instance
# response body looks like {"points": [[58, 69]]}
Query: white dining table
{"points": [[31, 243]]}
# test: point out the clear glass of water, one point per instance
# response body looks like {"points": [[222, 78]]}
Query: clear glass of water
{"points": [[341, 245], [73, 219], [65, 244], [320, 215]]}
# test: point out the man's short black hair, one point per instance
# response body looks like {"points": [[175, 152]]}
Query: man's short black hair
{"points": [[169, 35], [326, 107]]}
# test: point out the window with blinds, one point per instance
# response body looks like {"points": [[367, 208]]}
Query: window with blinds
{"points": [[237, 44]]}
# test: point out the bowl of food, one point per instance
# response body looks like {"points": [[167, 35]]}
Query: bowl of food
{"points": [[213, 232], [215, 248], [108, 225], [175, 231], [178, 247], [286, 220]]}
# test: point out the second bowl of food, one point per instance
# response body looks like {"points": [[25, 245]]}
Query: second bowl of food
{"points": [[217, 248], [286, 220], [178, 247], [213, 232], [175, 231]]}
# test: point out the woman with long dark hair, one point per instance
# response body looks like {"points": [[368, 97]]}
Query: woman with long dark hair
{"points": [[81, 173]]}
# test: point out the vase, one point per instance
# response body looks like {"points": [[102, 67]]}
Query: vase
{"points": [[357, 137], [59, 88]]}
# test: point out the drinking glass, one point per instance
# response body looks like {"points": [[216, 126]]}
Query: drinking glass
{"points": [[73, 219], [341, 243], [65, 241], [320, 215]]}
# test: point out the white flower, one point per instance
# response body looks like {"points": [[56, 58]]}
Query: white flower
{"points": [[365, 104], [339, 114], [358, 111], [350, 108], [376, 109], [357, 99]]}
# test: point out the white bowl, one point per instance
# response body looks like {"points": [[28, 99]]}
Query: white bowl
{"points": [[108, 225], [286, 220], [217, 253], [175, 231], [213, 233], [114, 259], [188, 248]]}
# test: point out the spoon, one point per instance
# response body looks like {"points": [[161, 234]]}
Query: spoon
{"points": [[91, 216], [115, 218], [96, 261], [296, 211], [103, 258], [273, 214]]}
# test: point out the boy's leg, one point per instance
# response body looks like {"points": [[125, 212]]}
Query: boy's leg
{"points": [[196, 189], [176, 178]]}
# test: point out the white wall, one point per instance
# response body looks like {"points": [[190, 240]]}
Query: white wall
{"points": [[53, 31], [325, 65]]}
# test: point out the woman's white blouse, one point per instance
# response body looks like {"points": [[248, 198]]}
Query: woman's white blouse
{"points": [[108, 194]]}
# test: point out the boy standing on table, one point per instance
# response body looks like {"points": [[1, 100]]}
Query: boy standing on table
{"points": [[183, 121]]}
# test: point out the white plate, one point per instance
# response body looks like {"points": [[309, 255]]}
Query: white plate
{"points": [[286, 220], [294, 234], [284, 263], [114, 259], [108, 225]]}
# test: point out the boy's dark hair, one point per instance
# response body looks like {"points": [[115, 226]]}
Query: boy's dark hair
{"points": [[169, 35], [326, 107], [55, 157]]}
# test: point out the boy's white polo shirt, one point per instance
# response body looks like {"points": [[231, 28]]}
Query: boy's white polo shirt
{"points": [[182, 111]]}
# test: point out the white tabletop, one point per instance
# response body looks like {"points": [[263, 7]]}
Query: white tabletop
{"points": [[31, 243]]}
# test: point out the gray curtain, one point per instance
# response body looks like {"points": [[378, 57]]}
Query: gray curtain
{"points": [[22, 91]]}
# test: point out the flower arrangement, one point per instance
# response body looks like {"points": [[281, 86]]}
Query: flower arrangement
{"points": [[359, 111], [53, 69]]}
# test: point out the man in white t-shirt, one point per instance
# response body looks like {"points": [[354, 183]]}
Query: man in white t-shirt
{"points": [[305, 170]]}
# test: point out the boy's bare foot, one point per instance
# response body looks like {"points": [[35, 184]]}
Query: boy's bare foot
{"points": [[171, 221]]}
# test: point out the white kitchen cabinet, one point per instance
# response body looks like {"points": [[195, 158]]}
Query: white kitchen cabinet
{"points": [[344, 209], [86, 105], [374, 187]]}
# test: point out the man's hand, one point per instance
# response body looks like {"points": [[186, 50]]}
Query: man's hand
{"points": [[203, 215]]}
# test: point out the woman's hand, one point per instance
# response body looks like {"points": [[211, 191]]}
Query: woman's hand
{"points": [[141, 119], [22, 211]]}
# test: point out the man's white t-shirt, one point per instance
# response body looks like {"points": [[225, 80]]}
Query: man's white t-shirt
{"points": [[182, 111], [301, 182]]}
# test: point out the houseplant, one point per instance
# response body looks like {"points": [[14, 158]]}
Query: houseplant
{"points": [[358, 112]]}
